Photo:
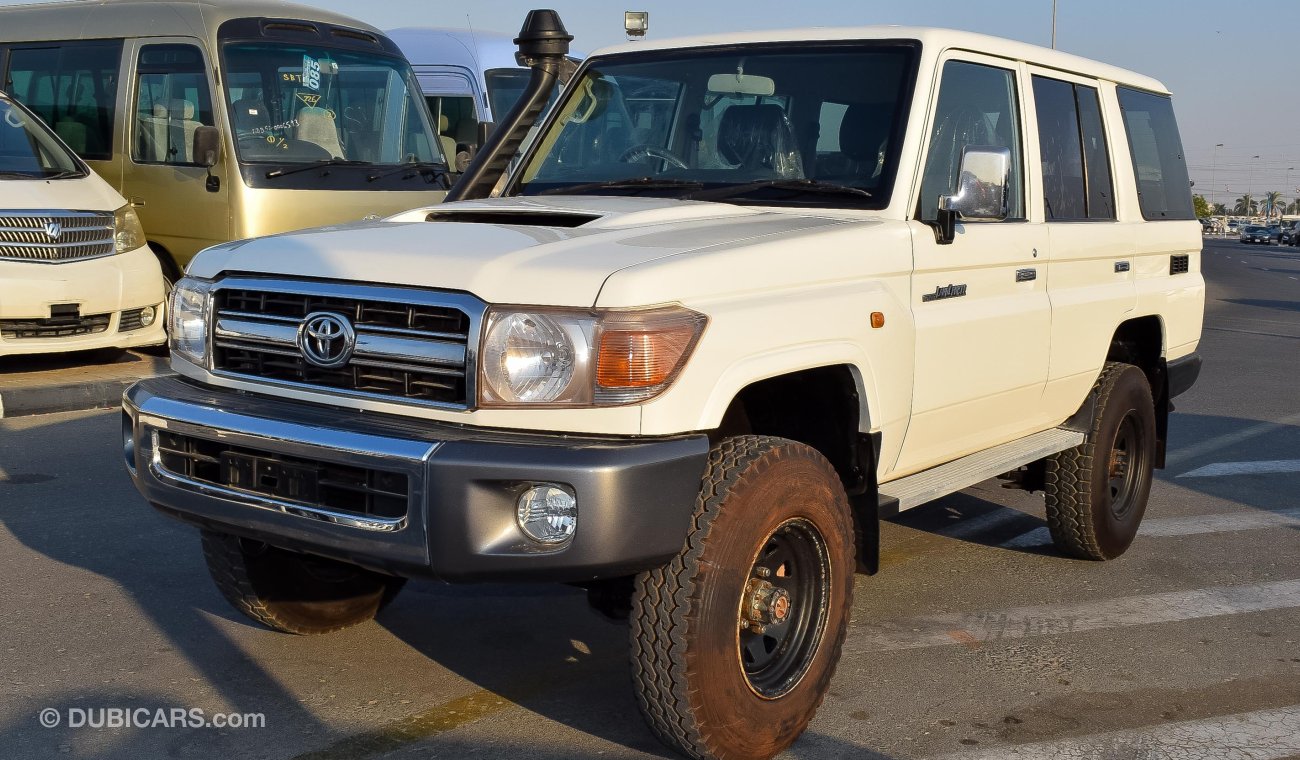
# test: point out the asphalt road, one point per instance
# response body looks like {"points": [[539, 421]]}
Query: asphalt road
{"points": [[975, 640]]}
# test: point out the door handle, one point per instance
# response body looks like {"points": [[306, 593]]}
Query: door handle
{"points": [[1025, 275], [1121, 266], [136, 202]]}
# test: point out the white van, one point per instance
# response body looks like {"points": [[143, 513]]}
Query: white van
{"points": [[467, 77], [75, 272]]}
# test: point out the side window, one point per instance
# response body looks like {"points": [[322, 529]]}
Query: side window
{"points": [[72, 86], [456, 119], [977, 107], [1164, 191], [171, 101], [1076, 172]]}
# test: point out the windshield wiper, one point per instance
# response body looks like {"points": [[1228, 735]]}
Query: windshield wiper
{"points": [[322, 164], [426, 168], [796, 186], [65, 174], [638, 183]]}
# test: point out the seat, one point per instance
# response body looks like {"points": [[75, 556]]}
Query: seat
{"points": [[446, 141], [316, 125], [248, 114], [759, 138], [181, 125], [864, 140]]}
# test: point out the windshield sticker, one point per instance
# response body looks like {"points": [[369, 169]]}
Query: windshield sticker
{"points": [[310, 72], [308, 99]]}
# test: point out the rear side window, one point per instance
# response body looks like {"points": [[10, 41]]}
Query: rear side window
{"points": [[72, 86], [1164, 190], [1076, 170]]}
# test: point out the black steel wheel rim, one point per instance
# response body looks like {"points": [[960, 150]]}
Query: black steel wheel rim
{"points": [[1125, 465], [775, 653]]}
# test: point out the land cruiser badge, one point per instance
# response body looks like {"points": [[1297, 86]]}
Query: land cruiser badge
{"points": [[945, 291]]}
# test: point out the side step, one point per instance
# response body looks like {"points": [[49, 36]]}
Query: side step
{"points": [[915, 490]]}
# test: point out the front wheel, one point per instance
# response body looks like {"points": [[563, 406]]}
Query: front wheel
{"points": [[292, 592], [734, 642], [1097, 492]]}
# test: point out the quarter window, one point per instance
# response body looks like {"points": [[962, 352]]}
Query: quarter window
{"points": [[1164, 191], [1076, 172], [72, 86], [977, 108], [172, 101]]}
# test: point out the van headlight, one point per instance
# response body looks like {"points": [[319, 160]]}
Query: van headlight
{"points": [[188, 310], [583, 358], [128, 235]]}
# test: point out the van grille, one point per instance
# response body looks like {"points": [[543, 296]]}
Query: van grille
{"points": [[411, 345], [55, 237]]}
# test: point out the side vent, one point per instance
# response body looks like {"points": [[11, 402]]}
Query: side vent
{"points": [[1179, 264], [517, 218]]}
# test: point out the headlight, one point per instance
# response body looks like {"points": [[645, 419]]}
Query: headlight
{"points": [[190, 303], [587, 358], [128, 235]]}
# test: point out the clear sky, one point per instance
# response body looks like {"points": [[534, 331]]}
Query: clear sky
{"points": [[1234, 69]]}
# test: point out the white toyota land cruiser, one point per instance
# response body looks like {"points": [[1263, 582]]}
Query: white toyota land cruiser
{"points": [[735, 298]]}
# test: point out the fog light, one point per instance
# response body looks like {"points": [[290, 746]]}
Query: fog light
{"points": [[547, 514], [147, 315]]}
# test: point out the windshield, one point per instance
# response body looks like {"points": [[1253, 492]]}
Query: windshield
{"points": [[303, 104], [803, 125], [506, 86], [29, 149]]}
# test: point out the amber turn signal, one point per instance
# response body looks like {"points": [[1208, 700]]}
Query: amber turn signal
{"points": [[877, 320], [643, 351]]}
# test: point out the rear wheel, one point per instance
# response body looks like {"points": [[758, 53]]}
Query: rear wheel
{"points": [[1097, 492], [292, 592], [734, 642]]}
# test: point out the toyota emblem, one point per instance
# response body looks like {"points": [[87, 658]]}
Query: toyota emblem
{"points": [[326, 339], [54, 230]]}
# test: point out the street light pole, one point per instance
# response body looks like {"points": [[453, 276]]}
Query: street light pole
{"points": [[1053, 24]]}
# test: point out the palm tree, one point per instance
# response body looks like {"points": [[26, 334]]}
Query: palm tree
{"points": [[1245, 205], [1219, 210], [1273, 202]]}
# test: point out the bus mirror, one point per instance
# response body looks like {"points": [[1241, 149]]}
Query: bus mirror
{"points": [[207, 146]]}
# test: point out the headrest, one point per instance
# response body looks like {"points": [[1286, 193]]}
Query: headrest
{"points": [[753, 132], [443, 122], [181, 109], [864, 131]]}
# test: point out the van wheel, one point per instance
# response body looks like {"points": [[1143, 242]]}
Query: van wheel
{"points": [[1097, 492], [735, 640], [292, 592]]}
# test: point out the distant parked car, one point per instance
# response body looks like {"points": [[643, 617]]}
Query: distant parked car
{"points": [[1254, 234]]}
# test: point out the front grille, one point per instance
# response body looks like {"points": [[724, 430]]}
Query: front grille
{"points": [[55, 237], [1179, 264], [339, 488], [55, 327], [411, 345]]}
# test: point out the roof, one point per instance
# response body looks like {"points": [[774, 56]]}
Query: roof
{"points": [[929, 37], [99, 19], [472, 49]]}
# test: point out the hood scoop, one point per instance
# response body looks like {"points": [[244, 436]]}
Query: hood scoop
{"points": [[514, 218]]}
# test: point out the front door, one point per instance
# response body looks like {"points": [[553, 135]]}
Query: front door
{"points": [[983, 318], [171, 96]]}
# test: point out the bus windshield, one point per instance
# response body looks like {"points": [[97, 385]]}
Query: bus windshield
{"points": [[29, 150], [308, 103]]}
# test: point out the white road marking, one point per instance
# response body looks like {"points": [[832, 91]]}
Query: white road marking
{"points": [[1180, 526], [1244, 468], [1216, 443], [973, 629], [1261, 735]]}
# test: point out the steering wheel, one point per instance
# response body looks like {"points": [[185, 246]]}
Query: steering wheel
{"points": [[645, 150]]}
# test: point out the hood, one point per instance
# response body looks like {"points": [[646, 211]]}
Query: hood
{"points": [[549, 252], [88, 193]]}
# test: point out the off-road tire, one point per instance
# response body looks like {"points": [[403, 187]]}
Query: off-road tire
{"points": [[686, 632], [292, 592], [1079, 480]]}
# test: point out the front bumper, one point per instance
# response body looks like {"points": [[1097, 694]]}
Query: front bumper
{"points": [[635, 496]]}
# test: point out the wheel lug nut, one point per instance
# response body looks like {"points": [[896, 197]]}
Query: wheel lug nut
{"points": [[763, 572]]}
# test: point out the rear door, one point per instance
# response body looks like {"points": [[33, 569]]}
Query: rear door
{"points": [[982, 314]]}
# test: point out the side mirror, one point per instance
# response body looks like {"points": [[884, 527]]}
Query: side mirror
{"points": [[207, 146], [983, 190]]}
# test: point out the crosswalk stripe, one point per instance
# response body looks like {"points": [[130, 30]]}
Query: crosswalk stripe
{"points": [[1180, 526], [991, 626], [1260, 735]]}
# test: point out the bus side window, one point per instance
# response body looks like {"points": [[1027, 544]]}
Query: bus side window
{"points": [[172, 100], [72, 86]]}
